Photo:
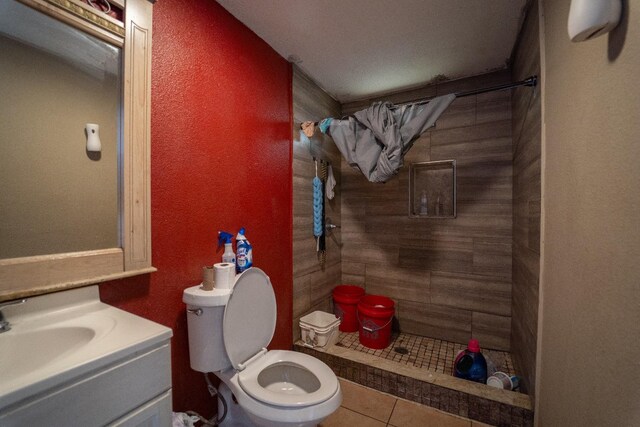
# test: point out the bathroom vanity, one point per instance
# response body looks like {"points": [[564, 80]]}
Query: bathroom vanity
{"points": [[71, 360]]}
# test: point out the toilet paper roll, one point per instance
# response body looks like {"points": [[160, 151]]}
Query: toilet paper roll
{"points": [[207, 278], [224, 274]]}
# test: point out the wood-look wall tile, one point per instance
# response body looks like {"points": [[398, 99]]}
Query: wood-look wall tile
{"points": [[526, 178], [484, 189], [302, 293], [492, 258], [436, 241], [303, 230], [357, 268], [397, 204], [521, 221], [353, 224], [419, 152], [434, 321], [355, 252], [461, 112], [363, 239], [498, 95], [397, 282], [474, 226], [479, 150], [471, 292], [303, 168], [315, 286], [321, 290], [353, 279], [485, 207], [500, 129], [309, 97], [354, 207], [524, 295], [533, 237], [386, 226], [477, 168], [494, 110], [526, 107], [312, 283], [492, 331], [437, 259]]}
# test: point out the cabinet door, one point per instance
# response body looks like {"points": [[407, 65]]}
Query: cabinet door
{"points": [[155, 413], [98, 398]]}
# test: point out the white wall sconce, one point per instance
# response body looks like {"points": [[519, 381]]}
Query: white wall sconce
{"points": [[93, 137], [589, 19]]}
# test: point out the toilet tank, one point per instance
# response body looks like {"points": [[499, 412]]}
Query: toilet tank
{"points": [[205, 312]]}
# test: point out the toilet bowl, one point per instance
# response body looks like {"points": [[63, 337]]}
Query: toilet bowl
{"points": [[285, 388], [228, 334]]}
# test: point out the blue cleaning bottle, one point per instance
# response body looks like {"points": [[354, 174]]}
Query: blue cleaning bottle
{"points": [[244, 258], [228, 255], [470, 364]]}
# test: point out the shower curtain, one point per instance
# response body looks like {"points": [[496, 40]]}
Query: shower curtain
{"points": [[375, 140]]}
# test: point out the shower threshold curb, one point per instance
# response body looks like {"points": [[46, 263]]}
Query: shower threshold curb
{"points": [[444, 392]]}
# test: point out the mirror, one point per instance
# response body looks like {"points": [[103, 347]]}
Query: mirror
{"points": [[69, 215], [57, 197]]}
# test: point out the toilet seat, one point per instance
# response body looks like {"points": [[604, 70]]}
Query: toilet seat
{"points": [[249, 318], [288, 378], [276, 377]]}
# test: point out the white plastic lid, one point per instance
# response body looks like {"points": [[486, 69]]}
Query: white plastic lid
{"points": [[250, 317]]}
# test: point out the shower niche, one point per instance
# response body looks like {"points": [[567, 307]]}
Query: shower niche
{"points": [[432, 189]]}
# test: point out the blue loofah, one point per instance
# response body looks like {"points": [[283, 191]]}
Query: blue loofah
{"points": [[317, 207]]}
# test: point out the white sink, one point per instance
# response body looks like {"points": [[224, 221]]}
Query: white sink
{"points": [[57, 338], [26, 352]]}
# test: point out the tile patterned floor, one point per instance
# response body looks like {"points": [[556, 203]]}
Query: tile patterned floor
{"points": [[365, 407], [423, 352]]}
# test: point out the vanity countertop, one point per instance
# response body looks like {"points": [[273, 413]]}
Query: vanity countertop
{"points": [[57, 338]]}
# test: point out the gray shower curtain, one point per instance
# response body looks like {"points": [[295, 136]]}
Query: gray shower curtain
{"points": [[375, 140]]}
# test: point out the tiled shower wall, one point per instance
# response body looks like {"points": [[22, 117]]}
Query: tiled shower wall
{"points": [[450, 278], [526, 203], [312, 281]]}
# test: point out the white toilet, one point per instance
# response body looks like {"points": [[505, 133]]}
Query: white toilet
{"points": [[229, 331]]}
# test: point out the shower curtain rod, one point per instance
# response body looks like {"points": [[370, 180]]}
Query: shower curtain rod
{"points": [[531, 81]]}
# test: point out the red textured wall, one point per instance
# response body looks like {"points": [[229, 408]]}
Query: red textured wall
{"points": [[221, 158]]}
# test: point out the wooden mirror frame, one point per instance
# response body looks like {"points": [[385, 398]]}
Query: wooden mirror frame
{"points": [[35, 275]]}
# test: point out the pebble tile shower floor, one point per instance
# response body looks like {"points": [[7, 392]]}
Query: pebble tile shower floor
{"points": [[419, 369], [423, 352]]}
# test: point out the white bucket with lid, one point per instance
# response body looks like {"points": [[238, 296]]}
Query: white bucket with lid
{"points": [[319, 329]]}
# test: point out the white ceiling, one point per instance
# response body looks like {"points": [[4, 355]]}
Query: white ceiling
{"points": [[358, 48]]}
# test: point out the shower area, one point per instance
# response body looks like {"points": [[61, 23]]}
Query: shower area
{"points": [[474, 275]]}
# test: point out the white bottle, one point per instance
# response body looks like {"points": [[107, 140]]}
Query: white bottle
{"points": [[424, 203], [228, 255]]}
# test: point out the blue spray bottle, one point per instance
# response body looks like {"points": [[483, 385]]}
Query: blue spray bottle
{"points": [[244, 259], [225, 238]]}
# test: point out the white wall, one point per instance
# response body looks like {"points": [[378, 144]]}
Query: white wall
{"points": [[589, 329]]}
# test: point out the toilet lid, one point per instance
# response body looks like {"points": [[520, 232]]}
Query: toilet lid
{"points": [[250, 316]]}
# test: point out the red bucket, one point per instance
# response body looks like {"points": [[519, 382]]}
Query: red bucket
{"points": [[375, 314], [345, 302]]}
